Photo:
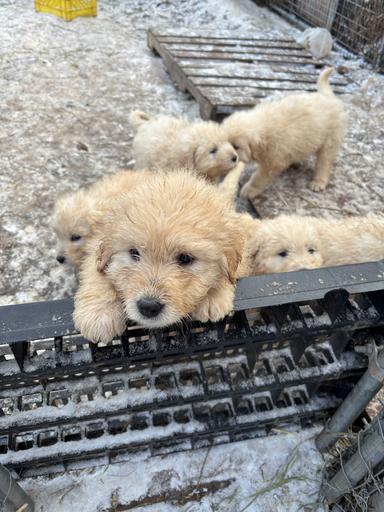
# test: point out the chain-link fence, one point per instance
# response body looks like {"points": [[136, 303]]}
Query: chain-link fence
{"points": [[358, 25]]}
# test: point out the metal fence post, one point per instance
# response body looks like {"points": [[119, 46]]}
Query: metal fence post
{"points": [[356, 401], [12, 497]]}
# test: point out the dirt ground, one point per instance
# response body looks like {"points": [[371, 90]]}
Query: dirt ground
{"points": [[66, 90]]}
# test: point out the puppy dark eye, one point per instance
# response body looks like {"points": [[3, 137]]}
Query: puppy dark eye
{"points": [[135, 255], [185, 259], [75, 238], [283, 254], [311, 250], [213, 150], [235, 147]]}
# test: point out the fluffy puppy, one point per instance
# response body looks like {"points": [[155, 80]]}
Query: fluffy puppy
{"points": [[351, 240], [166, 252], [72, 226], [72, 219], [283, 244], [291, 242], [171, 143], [277, 134]]}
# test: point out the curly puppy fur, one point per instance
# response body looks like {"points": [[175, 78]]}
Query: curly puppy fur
{"points": [[169, 251], [72, 219], [284, 243], [170, 143], [292, 242], [277, 134], [351, 240]]}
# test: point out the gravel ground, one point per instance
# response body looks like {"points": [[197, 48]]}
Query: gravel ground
{"points": [[66, 90]]}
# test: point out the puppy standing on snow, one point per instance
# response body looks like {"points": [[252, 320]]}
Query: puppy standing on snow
{"points": [[169, 250], [277, 134], [171, 143]]}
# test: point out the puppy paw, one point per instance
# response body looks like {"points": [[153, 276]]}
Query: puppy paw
{"points": [[101, 322], [249, 192], [318, 185], [215, 306]]}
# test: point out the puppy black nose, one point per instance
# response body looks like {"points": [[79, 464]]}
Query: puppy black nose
{"points": [[234, 158], [149, 306], [60, 259]]}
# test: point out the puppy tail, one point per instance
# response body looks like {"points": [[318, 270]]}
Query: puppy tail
{"points": [[323, 82], [138, 117], [228, 187]]}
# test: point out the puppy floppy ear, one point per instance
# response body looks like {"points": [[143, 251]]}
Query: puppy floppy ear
{"points": [[233, 252], [251, 149], [232, 259], [104, 254], [254, 246], [251, 228], [195, 155]]}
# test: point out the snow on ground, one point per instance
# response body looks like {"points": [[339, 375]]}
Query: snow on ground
{"points": [[66, 90], [267, 475], [62, 84]]}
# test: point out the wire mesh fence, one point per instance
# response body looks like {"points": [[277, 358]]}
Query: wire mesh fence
{"points": [[358, 25]]}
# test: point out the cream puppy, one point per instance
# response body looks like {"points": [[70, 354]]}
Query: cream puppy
{"points": [[291, 242], [168, 143], [167, 251], [351, 240], [283, 244], [277, 134], [73, 221]]}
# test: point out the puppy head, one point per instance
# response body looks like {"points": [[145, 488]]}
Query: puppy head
{"points": [[284, 244], [240, 130], [166, 246], [212, 154], [242, 147], [72, 225]]}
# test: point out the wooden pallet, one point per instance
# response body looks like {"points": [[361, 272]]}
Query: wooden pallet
{"points": [[225, 73]]}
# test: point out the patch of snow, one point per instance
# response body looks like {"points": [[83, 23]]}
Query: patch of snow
{"points": [[251, 465]]}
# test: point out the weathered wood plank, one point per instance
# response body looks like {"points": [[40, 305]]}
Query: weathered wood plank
{"points": [[247, 69], [257, 73], [277, 85], [248, 57], [221, 44], [207, 110], [245, 40], [224, 73], [225, 94], [237, 49]]}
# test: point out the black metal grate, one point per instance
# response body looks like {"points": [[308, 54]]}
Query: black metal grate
{"points": [[286, 355]]}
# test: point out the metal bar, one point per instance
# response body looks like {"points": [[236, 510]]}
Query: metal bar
{"points": [[355, 403], [18, 322], [272, 289], [13, 424], [12, 496], [377, 502], [134, 437], [55, 319], [370, 453]]}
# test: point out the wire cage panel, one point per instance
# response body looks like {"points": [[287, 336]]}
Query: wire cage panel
{"points": [[358, 25]]}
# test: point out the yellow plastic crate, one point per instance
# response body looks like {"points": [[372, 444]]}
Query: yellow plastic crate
{"points": [[67, 9]]}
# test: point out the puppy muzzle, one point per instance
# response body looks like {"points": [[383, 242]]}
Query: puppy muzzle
{"points": [[150, 307]]}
